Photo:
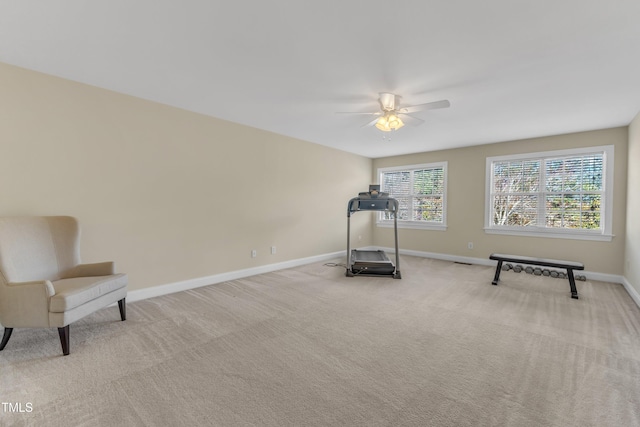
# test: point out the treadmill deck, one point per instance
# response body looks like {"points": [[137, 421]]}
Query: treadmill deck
{"points": [[371, 262]]}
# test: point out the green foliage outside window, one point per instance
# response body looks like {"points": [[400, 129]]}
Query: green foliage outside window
{"points": [[420, 193], [554, 193]]}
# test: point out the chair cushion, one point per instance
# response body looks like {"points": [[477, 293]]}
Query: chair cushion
{"points": [[71, 293]]}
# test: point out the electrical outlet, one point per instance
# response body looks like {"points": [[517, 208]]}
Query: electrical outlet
{"points": [[254, 253], [273, 250], [470, 245]]}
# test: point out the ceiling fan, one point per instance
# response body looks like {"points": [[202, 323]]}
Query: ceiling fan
{"points": [[391, 114]]}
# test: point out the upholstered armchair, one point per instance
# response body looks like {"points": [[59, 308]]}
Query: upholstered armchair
{"points": [[42, 282]]}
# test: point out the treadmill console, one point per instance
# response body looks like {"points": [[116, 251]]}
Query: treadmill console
{"points": [[373, 204], [373, 193], [372, 200]]}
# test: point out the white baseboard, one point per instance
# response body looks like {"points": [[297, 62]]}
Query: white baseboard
{"points": [[631, 291], [443, 257], [592, 275], [154, 291], [184, 285]]}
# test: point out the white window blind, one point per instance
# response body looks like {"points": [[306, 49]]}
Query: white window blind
{"points": [[420, 191], [566, 192]]}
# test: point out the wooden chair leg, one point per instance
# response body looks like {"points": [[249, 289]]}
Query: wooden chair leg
{"points": [[64, 339], [5, 337], [123, 309]]}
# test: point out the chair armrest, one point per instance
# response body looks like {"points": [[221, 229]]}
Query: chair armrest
{"points": [[26, 304], [88, 270]]}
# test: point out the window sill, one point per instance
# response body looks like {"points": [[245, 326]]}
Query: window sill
{"points": [[554, 234], [413, 225]]}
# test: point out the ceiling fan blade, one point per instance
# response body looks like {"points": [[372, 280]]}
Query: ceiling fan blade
{"points": [[428, 106], [410, 120], [371, 123], [354, 112]]}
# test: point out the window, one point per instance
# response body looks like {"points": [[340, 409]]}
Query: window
{"points": [[565, 193], [420, 191]]}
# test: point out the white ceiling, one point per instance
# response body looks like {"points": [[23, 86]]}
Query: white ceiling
{"points": [[511, 69]]}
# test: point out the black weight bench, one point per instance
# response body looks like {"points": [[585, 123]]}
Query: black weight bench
{"points": [[568, 265]]}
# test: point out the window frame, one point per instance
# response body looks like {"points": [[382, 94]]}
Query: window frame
{"points": [[421, 225], [604, 233]]}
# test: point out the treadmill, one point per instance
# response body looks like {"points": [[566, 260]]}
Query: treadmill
{"points": [[372, 263]]}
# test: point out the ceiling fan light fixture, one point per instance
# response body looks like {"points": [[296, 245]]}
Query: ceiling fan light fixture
{"points": [[389, 122], [383, 124], [394, 122]]}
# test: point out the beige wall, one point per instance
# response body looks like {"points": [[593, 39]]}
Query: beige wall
{"points": [[168, 194], [172, 195], [632, 247], [466, 204]]}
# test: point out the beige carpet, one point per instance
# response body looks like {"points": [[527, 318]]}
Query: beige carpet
{"points": [[310, 347]]}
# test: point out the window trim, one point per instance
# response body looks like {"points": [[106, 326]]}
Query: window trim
{"points": [[604, 234], [419, 225]]}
